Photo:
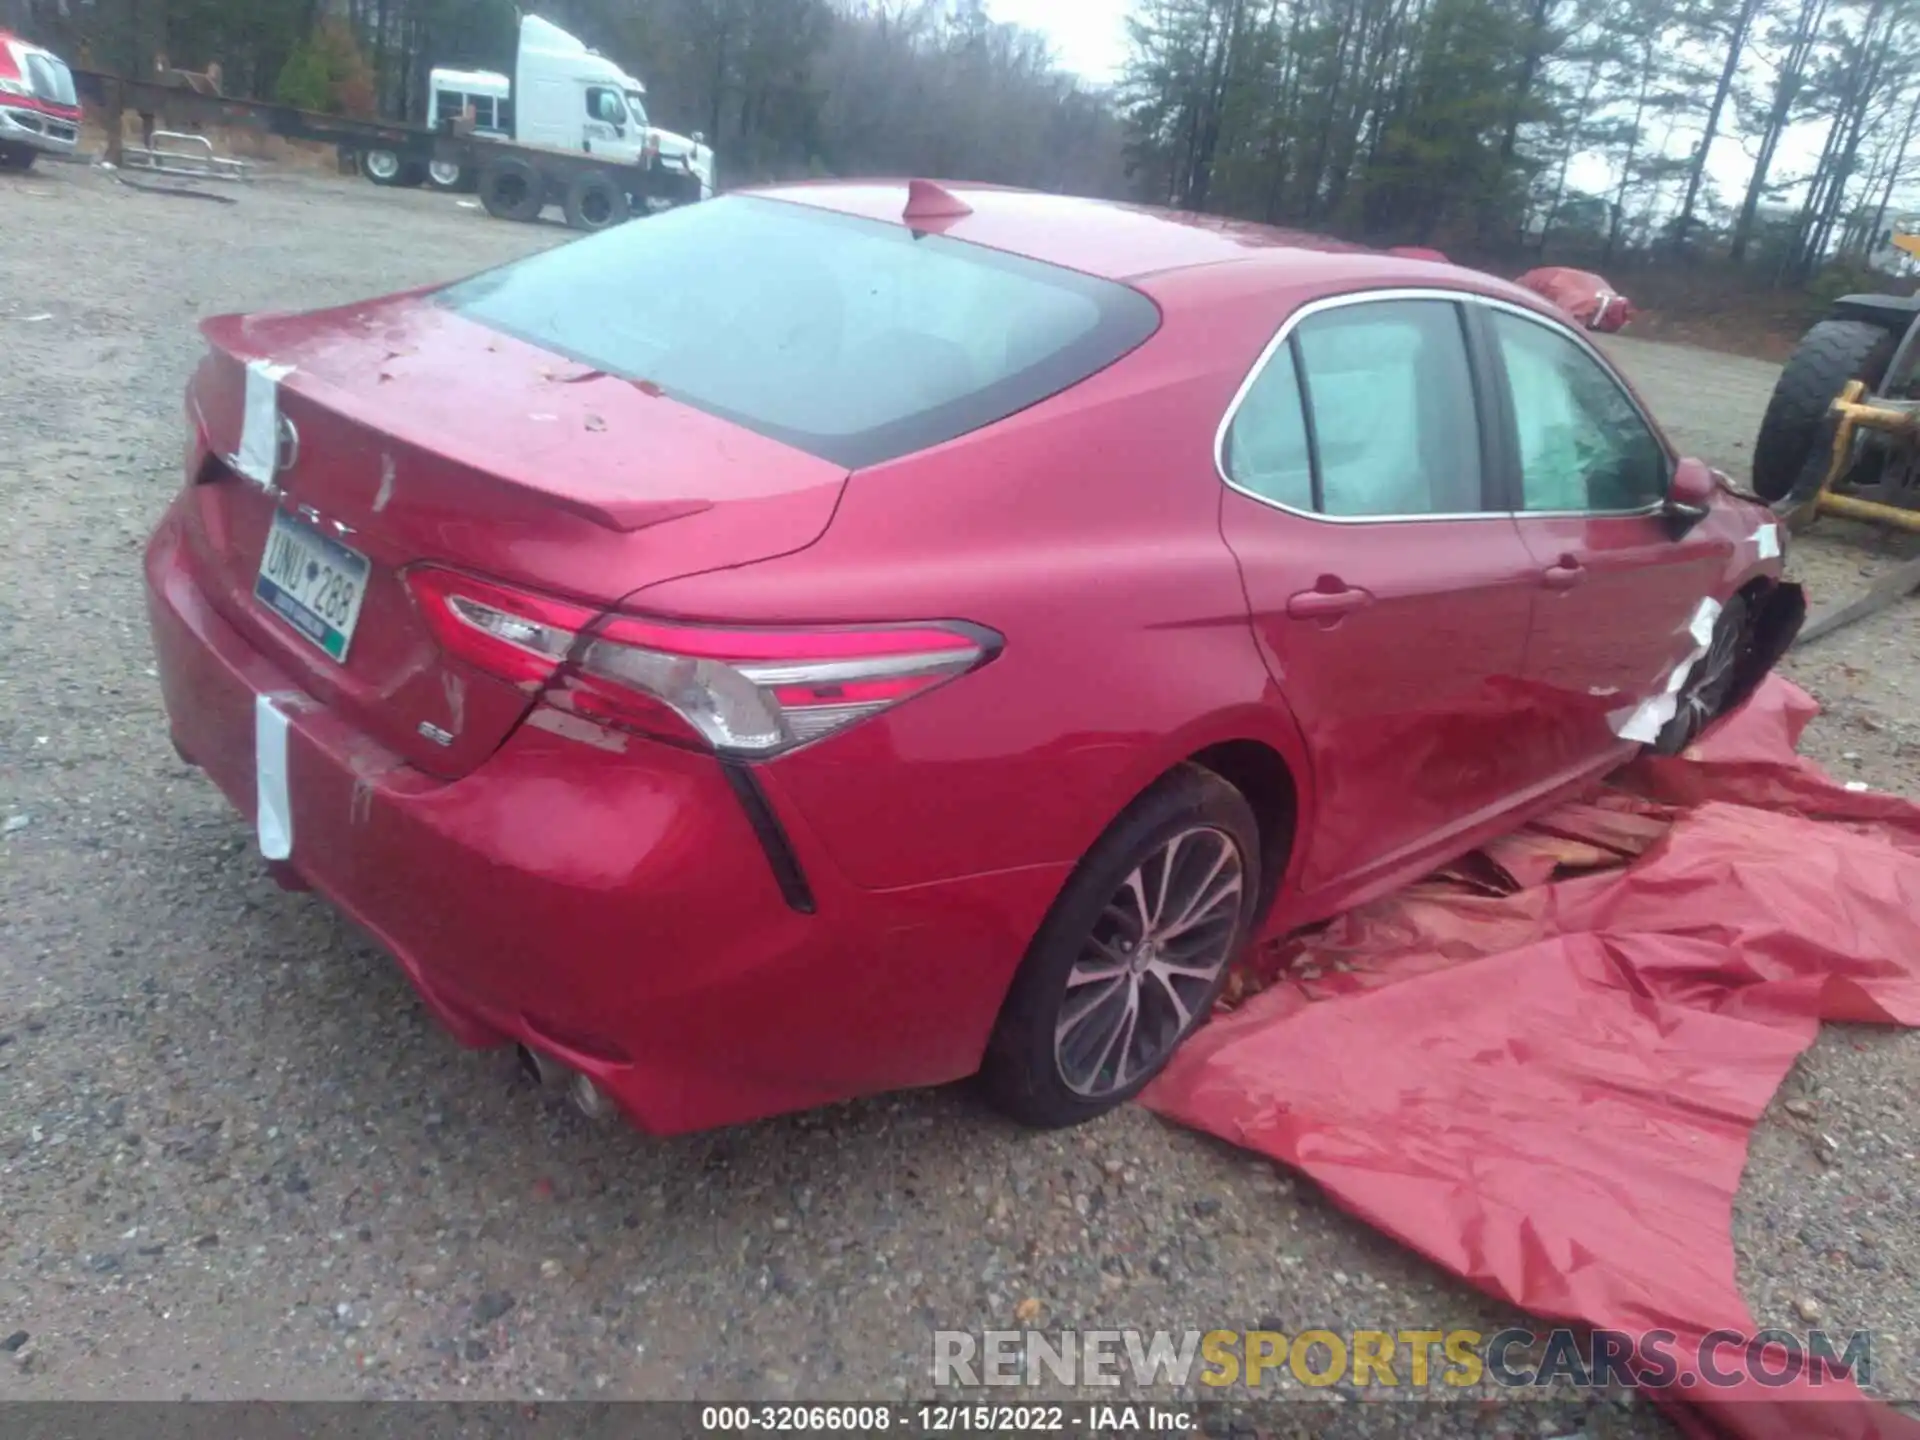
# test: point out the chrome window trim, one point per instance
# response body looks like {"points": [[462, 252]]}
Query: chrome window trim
{"points": [[1453, 297]]}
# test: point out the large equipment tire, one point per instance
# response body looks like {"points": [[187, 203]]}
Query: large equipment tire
{"points": [[1132, 955], [1796, 436], [384, 167], [596, 201], [513, 189]]}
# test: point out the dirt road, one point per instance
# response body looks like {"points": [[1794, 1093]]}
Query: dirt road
{"points": [[237, 1158]]}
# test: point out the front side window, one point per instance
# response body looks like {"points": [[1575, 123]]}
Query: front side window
{"points": [[1367, 411], [482, 111], [606, 105], [1583, 445]]}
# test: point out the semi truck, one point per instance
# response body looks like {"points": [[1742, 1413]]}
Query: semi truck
{"points": [[569, 130], [39, 110], [562, 96]]}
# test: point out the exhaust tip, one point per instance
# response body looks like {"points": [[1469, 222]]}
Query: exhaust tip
{"points": [[539, 1068], [588, 1098], [548, 1073]]}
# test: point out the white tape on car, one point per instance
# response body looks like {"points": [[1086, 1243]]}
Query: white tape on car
{"points": [[1767, 541], [274, 822], [259, 454], [1643, 723], [1705, 617]]}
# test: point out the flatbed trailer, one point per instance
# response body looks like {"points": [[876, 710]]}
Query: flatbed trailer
{"points": [[516, 182]]}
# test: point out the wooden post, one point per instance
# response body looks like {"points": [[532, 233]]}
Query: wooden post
{"points": [[116, 124]]}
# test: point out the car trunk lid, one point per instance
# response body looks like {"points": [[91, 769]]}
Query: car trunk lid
{"points": [[401, 433]]}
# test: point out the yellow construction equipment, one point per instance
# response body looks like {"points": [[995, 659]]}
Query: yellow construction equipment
{"points": [[1903, 235], [1899, 421], [1841, 435]]}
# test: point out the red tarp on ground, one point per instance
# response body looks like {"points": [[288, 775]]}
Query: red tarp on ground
{"points": [[1589, 299], [1542, 1073]]}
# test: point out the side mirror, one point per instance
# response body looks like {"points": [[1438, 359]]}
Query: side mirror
{"points": [[699, 137], [1690, 491]]}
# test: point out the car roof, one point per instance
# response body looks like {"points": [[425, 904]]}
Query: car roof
{"points": [[1107, 238]]}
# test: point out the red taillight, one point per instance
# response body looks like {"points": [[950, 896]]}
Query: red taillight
{"points": [[519, 637], [742, 691]]}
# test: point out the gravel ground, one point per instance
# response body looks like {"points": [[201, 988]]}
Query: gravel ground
{"points": [[237, 1158]]}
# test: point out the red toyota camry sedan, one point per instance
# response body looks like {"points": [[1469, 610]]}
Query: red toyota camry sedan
{"points": [[845, 637]]}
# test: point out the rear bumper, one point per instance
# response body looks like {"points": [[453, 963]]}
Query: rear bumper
{"points": [[38, 129], [613, 909]]}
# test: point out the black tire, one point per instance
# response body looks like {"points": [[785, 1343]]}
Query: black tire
{"points": [[1796, 436], [512, 189], [1703, 698], [17, 158], [1024, 1070], [596, 200]]}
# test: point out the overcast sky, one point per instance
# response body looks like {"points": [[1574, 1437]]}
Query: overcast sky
{"points": [[1089, 38]]}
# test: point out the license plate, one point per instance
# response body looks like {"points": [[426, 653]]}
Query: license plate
{"points": [[312, 582]]}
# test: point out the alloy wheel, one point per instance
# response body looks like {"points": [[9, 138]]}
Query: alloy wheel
{"points": [[1146, 971]]}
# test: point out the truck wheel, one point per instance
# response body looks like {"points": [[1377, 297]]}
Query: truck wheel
{"points": [[512, 189], [1796, 436], [595, 201], [383, 167], [17, 157], [450, 177]]}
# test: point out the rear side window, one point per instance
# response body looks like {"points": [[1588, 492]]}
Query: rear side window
{"points": [[851, 339], [1266, 451], [1367, 411]]}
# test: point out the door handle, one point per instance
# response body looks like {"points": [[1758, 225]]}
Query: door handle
{"points": [[1568, 573], [1326, 604]]}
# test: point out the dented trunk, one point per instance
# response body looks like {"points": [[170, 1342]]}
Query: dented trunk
{"points": [[395, 433]]}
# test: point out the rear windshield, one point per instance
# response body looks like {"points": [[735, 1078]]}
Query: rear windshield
{"points": [[851, 339]]}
